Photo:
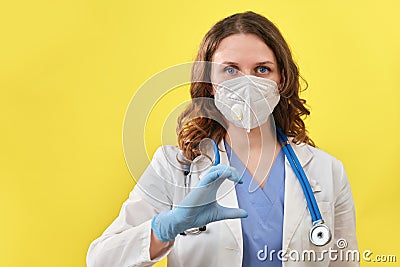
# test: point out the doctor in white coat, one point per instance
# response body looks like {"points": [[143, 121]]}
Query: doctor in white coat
{"points": [[254, 85]]}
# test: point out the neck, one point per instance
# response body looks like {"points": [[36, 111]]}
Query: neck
{"points": [[258, 139], [256, 149]]}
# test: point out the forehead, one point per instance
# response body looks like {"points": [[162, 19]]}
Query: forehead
{"points": [[243, 48]]}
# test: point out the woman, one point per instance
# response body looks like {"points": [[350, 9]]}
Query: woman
{"points": [[250, 209]]}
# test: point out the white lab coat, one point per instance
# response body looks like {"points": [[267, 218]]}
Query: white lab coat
{"points": [[126, 241]]}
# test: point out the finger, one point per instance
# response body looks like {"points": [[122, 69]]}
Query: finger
{"points": [[221, 171], [231, 213], [232, 175]]}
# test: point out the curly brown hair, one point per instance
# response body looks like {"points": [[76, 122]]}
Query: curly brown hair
{"points": [[201, 119]]}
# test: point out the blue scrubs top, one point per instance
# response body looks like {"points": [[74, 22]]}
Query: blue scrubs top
{"points": [[263, 228]]}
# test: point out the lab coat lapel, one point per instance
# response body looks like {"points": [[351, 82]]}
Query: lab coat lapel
{"points": [[226, 195], [295, 203], [229, 199]]}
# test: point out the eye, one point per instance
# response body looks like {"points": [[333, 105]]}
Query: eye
{"points": [[262, 69], [230, 70]]}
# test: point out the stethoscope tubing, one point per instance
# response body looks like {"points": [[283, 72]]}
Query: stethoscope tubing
{"points": [[217, 158], [302, 177]]}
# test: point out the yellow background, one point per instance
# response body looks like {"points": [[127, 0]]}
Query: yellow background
{"points": [[68, 70]]}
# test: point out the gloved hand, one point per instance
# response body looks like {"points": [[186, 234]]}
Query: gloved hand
{"points": [[199, 207]]}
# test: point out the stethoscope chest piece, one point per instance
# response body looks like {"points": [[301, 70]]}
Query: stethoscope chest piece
{"points": [[320, 235]]}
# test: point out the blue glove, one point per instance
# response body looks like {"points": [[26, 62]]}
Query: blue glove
{"points": [[199, 207]]}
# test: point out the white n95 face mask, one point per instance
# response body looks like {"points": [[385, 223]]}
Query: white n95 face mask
{"points": [[247, 101]]}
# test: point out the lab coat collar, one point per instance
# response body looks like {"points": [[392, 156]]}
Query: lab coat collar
{"points": [[302, 151]]}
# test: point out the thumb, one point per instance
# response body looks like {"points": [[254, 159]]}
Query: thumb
{"points": [[231, 213]]}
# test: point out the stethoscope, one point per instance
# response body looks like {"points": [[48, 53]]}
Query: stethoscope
{"points": [[319, 234]]}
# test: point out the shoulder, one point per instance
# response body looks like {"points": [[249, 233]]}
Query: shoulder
{"points": [[326, 169], [318, 155], [168, 158], [166, 153], [323, 156], [321, 166]]}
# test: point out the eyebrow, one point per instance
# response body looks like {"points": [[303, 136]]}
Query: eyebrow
{"points": [[265, 62], [259, 63]]}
